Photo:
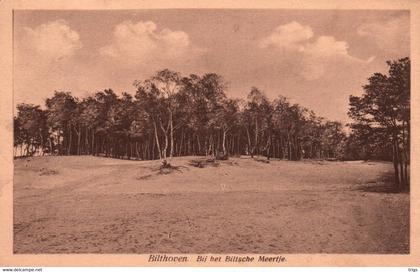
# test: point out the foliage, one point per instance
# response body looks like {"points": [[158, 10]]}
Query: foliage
{"points": [[382, 117], [175, 115]]}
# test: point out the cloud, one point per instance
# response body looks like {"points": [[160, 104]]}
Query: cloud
{"points": [[321, 54], [392, 35], [141, 42], [44, 58], [51, 41], [326, 46], [294, 37], [315, 54], [289, 37]]}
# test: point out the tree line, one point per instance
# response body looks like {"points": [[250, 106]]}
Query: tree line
{"points": [[174, 115], [171, 116]]}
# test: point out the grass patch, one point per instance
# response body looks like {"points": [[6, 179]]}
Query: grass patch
{"points": [[202, 163], [164, 169], [47, 172]]}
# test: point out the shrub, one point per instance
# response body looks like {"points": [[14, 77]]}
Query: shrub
{"points": [[222, 156]]}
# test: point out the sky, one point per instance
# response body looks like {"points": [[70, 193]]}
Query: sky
{"points": [[316, 58]]}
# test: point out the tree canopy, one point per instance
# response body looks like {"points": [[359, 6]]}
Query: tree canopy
{"points": [[175, 115], [382, 116]]}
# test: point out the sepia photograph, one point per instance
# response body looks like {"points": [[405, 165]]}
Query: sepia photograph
{"points": [[234, 135]]}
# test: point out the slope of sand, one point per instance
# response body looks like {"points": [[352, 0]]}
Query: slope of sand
{"points": [[99, 205]]}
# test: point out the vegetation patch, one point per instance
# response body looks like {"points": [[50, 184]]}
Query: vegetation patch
{"points": [[222, 156], [384, 184], [263, 160], [202, 163], [47, 172], [164, 169]]}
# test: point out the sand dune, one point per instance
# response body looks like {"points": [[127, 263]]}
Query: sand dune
{"points": [[99, 205]]}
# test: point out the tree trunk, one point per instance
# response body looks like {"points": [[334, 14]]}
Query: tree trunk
{"points": [[198, 145], [224, 142], [256, 138], [395, 162], [171, 152], [166, 146], [93, 151], [86, 145], [58, 144], [128, 150], [79, 138], [182, 142], [268, 148], [70, 140], [153, 150], [238, 144], [157, 139], [249, 143], [405, 154], [137, 151]]}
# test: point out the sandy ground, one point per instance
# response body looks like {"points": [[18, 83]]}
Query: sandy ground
{"points": [[99, 205]]}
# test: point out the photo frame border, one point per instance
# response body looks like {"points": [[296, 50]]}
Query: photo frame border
{"points": [[7, 258]]}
